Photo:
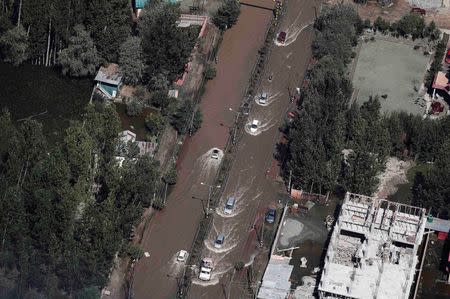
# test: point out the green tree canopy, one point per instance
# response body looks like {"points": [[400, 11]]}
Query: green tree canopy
{"points": [[227, 14], [80, 57], [131, 60], [14, 45], [166, 46]]}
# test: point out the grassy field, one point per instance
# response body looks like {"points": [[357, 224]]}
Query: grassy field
{"points": [[392, 69], [43, 94]]}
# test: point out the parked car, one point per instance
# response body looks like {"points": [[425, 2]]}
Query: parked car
{"points": [[182, 256], [271, 215], [219, 241], [418, 10], [215, 154], [281, 38], [447, 57], [263, 98], [254, 126], [246, 108], [229, 206], [206, 269]]}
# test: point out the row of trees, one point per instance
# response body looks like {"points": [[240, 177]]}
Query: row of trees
{"points": [[320, 133], [67, 209], [44, 27], [336, 147], [410, 24]]}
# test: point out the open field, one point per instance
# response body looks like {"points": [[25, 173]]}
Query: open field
{"points": [[392, 69]]}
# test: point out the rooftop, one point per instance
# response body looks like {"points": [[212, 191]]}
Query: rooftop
{"points": [[109, 74], [373, 249]]}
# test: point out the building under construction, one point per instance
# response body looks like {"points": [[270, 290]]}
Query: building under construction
{"points": [[373, 249]]}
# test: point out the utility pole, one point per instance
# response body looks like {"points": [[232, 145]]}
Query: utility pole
{"points": [[210, 187], [235, 124], [261, 241], [290, 180]]}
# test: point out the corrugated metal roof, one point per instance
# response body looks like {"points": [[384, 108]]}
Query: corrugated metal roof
{"points": [[440, 225], [140, 3]]}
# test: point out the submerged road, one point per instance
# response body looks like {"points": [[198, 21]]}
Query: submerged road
{"points": [[174, 228], [251, 179]]}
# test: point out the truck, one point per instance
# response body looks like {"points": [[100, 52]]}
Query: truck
{"points": [[206, 269]]}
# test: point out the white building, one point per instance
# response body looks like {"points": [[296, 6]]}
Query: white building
{"points": [[373, 250]]}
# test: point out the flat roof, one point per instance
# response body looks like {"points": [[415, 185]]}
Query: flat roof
{"points": [[276, 284], [373, 249]]}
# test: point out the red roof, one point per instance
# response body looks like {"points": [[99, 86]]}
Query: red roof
{"points": [[442, 236]]}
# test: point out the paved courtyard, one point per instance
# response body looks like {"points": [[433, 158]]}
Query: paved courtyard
{"points": [[392, 70]]}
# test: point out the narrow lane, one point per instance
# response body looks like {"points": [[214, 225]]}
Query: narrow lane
{"points": [[251, 179], [174, 228]]}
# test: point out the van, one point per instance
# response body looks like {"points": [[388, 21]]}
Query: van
{"points": [[219, 241], [263, 98], [229, 206]]}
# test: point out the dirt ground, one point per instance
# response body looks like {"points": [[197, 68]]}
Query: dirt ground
{"points": [[394, 69], [394, 175], [371, 10]]}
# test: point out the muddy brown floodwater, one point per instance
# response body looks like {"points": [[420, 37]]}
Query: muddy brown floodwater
{"points": [[174, 228], [251, 178]]}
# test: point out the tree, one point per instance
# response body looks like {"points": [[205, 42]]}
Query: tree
{"points": [[155, 123], [14, 45], [166, 46], [134, 107], [79, 151], [80, 57], [210, 72], [432, 31], [187, 118], [413, 24], [227, 14], [431, 188], [109, 22], [381, 24], [337, 33], [170, 177], [131, 60]]}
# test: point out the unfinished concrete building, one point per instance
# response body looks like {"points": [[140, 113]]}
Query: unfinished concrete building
{"points": [[373, 249]]}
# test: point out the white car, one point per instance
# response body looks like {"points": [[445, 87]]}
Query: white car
{"points": [[263, 98], [205, 269], [254, 126], [182, 256], [215, 154]]}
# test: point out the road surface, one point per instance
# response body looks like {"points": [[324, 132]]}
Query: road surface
{"points": [[252, 175], [174, 228]]}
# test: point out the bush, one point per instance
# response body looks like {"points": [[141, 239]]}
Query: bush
{"points": [[227, 15], [171, 176], [160, 99], [209, 73], [155, 123], [134, 108], [187, 118], [381, 24]]}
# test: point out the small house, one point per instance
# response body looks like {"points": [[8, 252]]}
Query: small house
{"points": [[109, 80], [140, 4]]}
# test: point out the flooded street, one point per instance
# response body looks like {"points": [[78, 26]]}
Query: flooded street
{"points": [[248, 181], [173, 228]]}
